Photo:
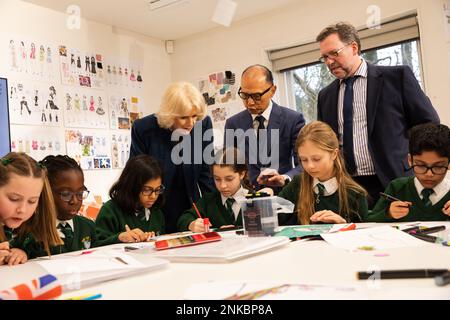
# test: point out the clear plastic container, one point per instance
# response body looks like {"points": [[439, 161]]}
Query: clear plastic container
{"points": [[260, 215]]}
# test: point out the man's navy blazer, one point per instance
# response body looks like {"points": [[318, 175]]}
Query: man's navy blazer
{"points": [[395, 104], [147, 137], [288, 122]]}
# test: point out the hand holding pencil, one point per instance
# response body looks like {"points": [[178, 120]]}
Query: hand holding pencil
{"points": [[4, 251], [399, 209], [135, 235]]}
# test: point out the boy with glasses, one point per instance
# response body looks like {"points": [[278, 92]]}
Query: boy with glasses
{"points": [[426, 195]]}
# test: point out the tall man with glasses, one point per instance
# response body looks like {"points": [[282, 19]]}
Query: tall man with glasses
{"points": [[267, 129], [371, 108]]}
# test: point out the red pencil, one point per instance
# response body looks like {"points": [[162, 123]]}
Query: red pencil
{"points": [[205, 221], [196, 209]]}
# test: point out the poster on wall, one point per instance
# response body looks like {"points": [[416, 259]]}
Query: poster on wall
{"points": [[219, 114], [219, 87], [90, 148], [81, 68], [220, 92], [32, 59], [124, 74], [34, 103], [85, 108], [124, 110], [36, 141], [120, 148]]}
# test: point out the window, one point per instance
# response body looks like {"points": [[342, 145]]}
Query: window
{"points": [[305, 82]]}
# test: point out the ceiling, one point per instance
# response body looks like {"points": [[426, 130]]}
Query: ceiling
{"points": [[185, 17]]}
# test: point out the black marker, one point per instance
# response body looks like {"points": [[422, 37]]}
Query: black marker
{"points": [[391, 198], [402, 274]]}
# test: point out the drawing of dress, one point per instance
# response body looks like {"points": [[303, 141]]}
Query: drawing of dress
{"points": [[100, 110], [88, 64], [76, 102], [93, 65], [49, 55], [68, 101], [91, 103], [33, 51], [78, 62], [132, 76], [12, 49], [139, 77], [85, 107]]}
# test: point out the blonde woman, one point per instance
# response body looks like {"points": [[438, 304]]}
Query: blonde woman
{"points": [[324, 192], [182, 114]]}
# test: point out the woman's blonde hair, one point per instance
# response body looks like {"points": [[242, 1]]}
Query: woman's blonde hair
{"points": [[324, 138], [180, 99], [42, 224]]}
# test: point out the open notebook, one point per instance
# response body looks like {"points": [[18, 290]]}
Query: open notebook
{"points": [[226, 250], [76, 270]]}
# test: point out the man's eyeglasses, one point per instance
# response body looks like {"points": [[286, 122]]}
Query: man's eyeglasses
{"points": [[332, 54], [149, 191], [255, 96], [68, 195], [421, 169]]}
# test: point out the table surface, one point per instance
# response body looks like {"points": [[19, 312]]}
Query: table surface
{"points": [[310, 262]]}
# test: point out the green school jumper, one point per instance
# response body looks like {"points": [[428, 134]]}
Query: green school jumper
{"points": [[210, 206], [404, 189], [357, 203], [111, 221], [83, 238]]}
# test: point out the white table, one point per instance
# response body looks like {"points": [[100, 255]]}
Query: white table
{"points": [[312, 262]]}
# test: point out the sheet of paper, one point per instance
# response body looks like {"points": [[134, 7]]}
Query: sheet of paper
{"points": [[267, 290], [92, 262], [384, 237]]}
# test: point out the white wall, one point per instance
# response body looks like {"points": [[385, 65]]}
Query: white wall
{"points": [[35, 22], [246, 42]]}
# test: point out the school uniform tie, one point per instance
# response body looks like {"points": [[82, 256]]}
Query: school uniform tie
{"points": [[426, 193], [260, 119], [8, 234], [141, 215], [321, 192], [229, 205], [348, 126], [68, 234]]}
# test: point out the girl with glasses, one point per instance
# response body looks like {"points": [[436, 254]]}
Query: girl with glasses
{"points": [[133, 214], [66, 180]]}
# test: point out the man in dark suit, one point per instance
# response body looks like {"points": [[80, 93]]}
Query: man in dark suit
{"points": [[371, 108], [267, 131]]}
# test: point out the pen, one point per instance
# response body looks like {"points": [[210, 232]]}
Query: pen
{"points": [[121, 260], [424, 237], [430, 230], [442, 280], [390, 198], [411, 229], [127, 248], [402, 274]]}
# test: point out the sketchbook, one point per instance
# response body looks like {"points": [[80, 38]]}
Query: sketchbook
{"points": [[77, 271], [226, 250]]}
